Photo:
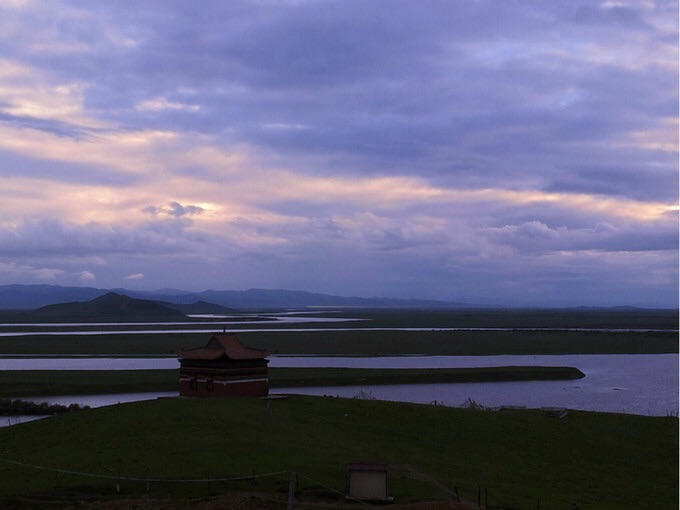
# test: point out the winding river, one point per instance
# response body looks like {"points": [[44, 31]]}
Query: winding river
{"points": [[645, 384]]}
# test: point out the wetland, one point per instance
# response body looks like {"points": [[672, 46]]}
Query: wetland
{"points": [[622, 458]]}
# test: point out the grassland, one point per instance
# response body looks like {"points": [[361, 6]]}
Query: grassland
{"points": [[42, 383], [33, 383], [588, 331], [634, 332], [519, 459], [356, 343], [605, 318], [564, 318], [296, 377]]}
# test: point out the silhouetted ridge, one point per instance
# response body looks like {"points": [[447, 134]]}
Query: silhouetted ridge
{"points": [[30, 297], [111, 306]]}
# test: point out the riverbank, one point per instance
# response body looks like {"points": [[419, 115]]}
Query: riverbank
{"points": [[17, 407], [309, 377]]}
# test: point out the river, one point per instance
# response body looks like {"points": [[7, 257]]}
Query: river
{"points": [[645, 384]]}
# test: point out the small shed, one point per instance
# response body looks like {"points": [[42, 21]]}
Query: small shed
{"points": [[368, 482], [223, 368]]}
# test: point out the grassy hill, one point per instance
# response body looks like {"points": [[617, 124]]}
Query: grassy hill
{"points": [[110, 306], [193, 449]]}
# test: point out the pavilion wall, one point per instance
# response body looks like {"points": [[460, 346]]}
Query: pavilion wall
{"points": [[224, 378]]}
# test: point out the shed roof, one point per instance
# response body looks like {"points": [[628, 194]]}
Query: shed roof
{"points": [[367, 466], [223, 344]]}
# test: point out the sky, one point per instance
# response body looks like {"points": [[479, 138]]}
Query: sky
{"points": [[515, 153]]}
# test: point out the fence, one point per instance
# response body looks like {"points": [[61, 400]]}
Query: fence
{"points": [[286, 480]]}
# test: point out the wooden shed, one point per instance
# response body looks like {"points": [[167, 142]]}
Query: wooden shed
{"points": [[223, 368], [368, 482]]}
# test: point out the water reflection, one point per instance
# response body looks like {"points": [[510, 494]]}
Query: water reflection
{"points": [[645, 384], [88, 363], [103, 400], [6, 421]]}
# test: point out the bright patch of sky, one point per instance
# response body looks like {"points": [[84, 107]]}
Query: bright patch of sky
{"points": [[513, 153]]}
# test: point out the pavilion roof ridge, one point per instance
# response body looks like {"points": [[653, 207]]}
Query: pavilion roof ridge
{"points": [[223, 344]]}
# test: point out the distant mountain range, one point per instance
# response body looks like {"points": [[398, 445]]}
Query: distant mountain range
{"points": [[32, 297]]}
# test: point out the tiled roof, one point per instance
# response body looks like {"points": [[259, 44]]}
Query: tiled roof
{"points": [[223, 344]]}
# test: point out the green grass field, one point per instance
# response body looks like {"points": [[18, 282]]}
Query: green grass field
{"points": [[33, 383], [519, 459], [621, 318], [356, 343], [635, 331]]}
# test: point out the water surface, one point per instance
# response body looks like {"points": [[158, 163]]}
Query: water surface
{"points": [[645, 384]]}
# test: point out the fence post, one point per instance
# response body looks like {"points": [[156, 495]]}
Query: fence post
{"points": [[120, 462], [291, 489]]}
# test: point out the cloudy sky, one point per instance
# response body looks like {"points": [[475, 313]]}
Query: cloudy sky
{"points": [[520, 152]]}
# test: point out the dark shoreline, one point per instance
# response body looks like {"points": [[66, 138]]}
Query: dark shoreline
{"points": [[17, 407], [309, 377]]}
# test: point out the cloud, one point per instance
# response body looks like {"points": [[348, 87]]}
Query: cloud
{"points": [[86, 276], [343, 146], [536, 236], [47, 238], [136, 276], [502, 90], [10, 272], [174, 209], [161, 103]]}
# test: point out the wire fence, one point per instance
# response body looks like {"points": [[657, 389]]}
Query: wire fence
{"points": [[141, 479], [479, 497]]}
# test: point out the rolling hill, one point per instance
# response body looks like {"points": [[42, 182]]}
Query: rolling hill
{"points": [[108, 306]]}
